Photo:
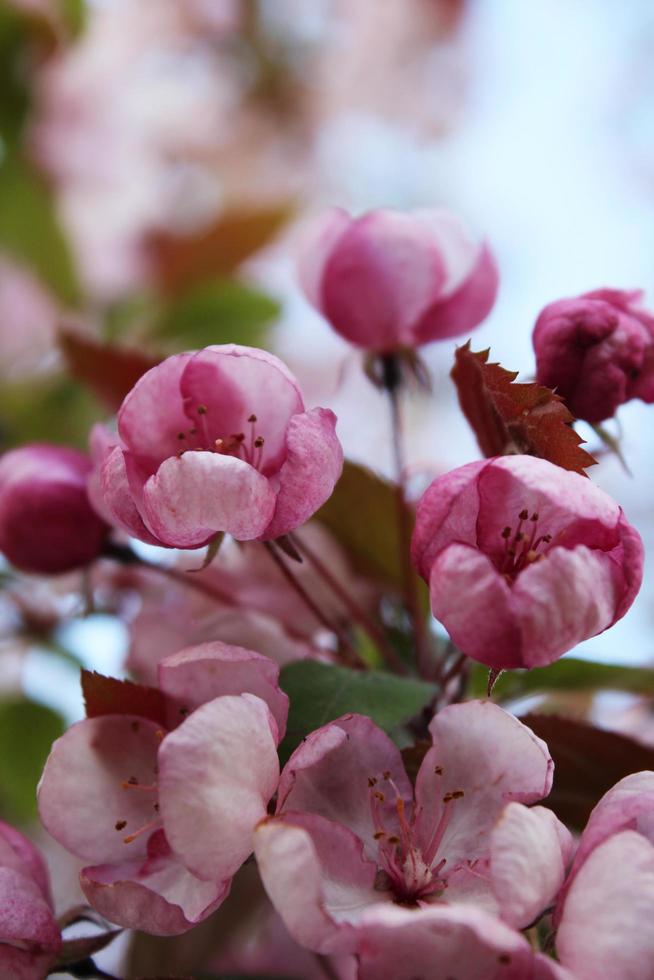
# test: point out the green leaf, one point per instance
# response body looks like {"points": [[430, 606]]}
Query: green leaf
{"points": [[30, 231], [570, 674], [55, 409], [218, 312], [74, 14], [27, 730], [373, 544], [321, 692]]}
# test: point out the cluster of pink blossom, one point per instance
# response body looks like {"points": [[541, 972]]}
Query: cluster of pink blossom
{"points": [[451, 866]]}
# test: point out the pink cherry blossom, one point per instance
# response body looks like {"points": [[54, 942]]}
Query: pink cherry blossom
{"points": [[597, 350], [29, 935], [218, 441], [389, 280], [524, 559], [607, 903], [166, 816], [46, 521], [349, 832]]}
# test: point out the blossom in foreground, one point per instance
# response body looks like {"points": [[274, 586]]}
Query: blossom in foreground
{"points": [[605, 910], [29, 935], [597, 350], [350, 836], [524, 559], [390, 280], [47, 524], [166, 813], [218, 441]]}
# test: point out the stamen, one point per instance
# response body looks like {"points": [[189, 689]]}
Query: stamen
{"points": [[132, 783], [142, 830]]}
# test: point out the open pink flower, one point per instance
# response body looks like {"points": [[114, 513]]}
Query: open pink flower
{"points": [[597, 350], [29, 935], [350, 833], [218, 440], [607, 904], [389, 280], [46, 521], [524, 559], [166, 813]]}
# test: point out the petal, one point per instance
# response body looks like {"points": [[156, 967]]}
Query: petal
{"points": [[157, 895], [116, 497], [331, 772], [440, 942], [17, 852], [319, 238], [199, 674], [313, 465], [81, 794], [475, 605], [25, 916], [385, 270], [193, 497], [217, 773], [232, 383], [490, 757], [604, 933], [152, 415], [317, 878], [527, 862]]}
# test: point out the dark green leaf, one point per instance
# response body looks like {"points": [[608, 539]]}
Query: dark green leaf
{"points": [[30, 231], [321, 692], [27, 730], [570, 674], [588, 761], [218, 313]]}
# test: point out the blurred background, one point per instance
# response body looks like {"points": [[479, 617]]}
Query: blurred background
{"points": [[157, 161]]}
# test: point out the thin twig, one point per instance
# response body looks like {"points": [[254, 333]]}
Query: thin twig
{"points": [[126, 556]]}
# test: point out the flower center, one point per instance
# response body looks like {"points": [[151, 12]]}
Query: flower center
{"points": [[131, 784], [410, 871], [522, 547], [247, 446]]}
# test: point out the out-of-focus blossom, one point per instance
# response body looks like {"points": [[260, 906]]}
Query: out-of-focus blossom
{"points": [[597, 350], [46, 521], [29, 935], [390, 280], [219, 441], [167, 816], [27, 322], [349, 832], [609, 892], [524, 559]]}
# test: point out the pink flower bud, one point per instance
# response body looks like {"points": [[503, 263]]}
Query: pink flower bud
{"points": [[47, 524], [389, 280], [597, 350]]}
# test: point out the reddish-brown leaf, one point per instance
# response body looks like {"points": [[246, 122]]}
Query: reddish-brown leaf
{"points": [[182, 261], [508, 417], [588, 761], [110, 696], [109, 371]]}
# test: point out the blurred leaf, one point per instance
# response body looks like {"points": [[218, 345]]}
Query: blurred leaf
{"points": [[218, 313], [30, 231], [54, 409], [110, 696], [588, 761], [373, 543], [182, 261], [14, 103], [73, 13], [109, 371], [569, 674], [27, 730], [74, 950], [509, 417], [321, 692]]}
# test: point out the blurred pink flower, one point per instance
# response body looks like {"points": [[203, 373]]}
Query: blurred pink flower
{"points": [[219, 441], [167, 818], [349, 832], [524, 559], [597, 351], [389, 280], [46, 521], [608, 899], [29, 935], [28, 315]]}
